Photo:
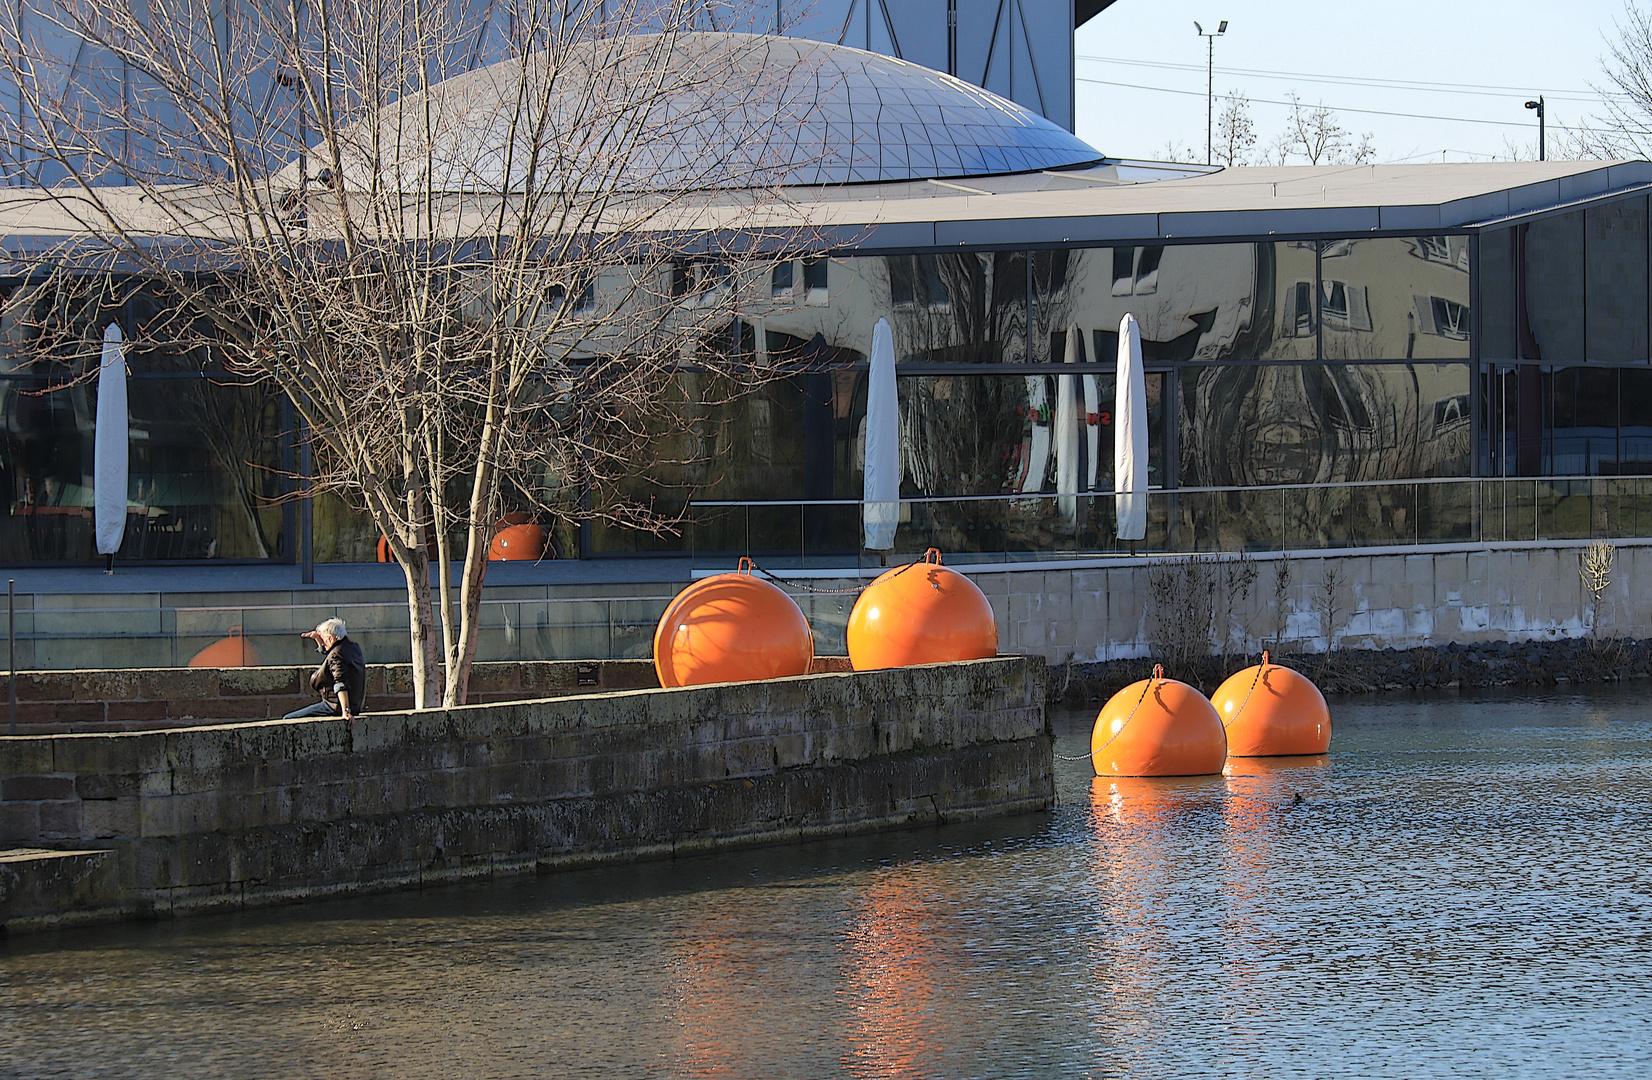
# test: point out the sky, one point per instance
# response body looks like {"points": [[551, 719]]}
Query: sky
{"points": [[1480, 61]]}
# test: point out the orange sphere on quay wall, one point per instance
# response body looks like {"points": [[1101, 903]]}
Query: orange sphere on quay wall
{"points": [[1273, 711], [731, 628], [1158, 727], [921, 613]]}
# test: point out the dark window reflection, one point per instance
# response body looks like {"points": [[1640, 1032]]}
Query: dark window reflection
{"points": [[1617, 283], [204, 474], [1551, 253], [1495, 292]]}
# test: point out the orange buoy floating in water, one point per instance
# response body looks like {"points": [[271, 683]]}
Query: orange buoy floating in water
{"points": [[731, 628], [921, 613], [232, 651], [1273, 711], [1158, 727]]}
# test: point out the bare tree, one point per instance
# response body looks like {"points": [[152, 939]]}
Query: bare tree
{"points": [[1235, 132], [1315, 135], [483, 290], [1625, 129]]}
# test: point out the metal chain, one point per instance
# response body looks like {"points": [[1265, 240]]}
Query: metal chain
{"points": [[1253, 683], [798, 585], [1158, 673]]}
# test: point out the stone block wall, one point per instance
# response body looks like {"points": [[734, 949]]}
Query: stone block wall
{"points": [[213, 817], [1359, 600]]}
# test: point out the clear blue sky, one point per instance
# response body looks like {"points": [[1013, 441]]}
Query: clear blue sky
{"points": [[1492, 56]]}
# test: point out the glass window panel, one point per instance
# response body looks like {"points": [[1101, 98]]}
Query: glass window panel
{"points": [[1552, 280], [1635, 434], [204, 471], [1495, 294], [1617, 280], [1395, 298], [942, 309], [1193, 302], [1323, 423]]}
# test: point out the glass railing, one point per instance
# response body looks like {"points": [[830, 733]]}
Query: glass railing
{"points": [[1295, 517]]}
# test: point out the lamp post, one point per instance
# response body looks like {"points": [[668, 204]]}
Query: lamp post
{"points": [[1538, 105], [1210, 79]]}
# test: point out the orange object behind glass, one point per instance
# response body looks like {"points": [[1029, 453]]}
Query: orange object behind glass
{"points": [[731, 628], [921, 613], [1158, 727], [1272, 711], [233, 651], [517, 543]]}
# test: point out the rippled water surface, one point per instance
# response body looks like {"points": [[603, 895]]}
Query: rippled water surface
{"points": [[1460, 889]]}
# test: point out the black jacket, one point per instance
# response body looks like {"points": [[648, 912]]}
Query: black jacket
{"points": [[342, 666]]}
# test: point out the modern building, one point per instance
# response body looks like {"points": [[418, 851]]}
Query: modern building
{"points": [[1336, 356]]}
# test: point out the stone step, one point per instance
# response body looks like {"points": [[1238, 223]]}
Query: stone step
{"points": [[42, 888]]}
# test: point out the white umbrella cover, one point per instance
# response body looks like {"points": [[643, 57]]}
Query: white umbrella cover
{"points": [[1066, 434], [111, 453], [1130, 435], [880, 509]]}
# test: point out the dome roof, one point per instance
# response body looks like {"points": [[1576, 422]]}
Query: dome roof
{"points": [[731, 110]]}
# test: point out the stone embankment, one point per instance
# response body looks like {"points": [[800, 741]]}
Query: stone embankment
{"points": [[157, 823], [1360, 671]]}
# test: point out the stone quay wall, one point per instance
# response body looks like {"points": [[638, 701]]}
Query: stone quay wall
{"points": [[145, 824], [148, 699]]}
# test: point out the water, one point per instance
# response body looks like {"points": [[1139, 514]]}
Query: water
{"points": [[1462, 890]]}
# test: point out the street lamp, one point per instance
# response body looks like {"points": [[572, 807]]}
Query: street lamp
{"points": [[1210, 78], [1538, 105]]}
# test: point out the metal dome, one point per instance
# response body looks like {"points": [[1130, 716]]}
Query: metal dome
{"points": [[738, 110]]}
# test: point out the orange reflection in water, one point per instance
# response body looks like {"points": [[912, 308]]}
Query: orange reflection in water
{"points": [[1143, 825], [892, 977], [712, 996], [1261, 792]]}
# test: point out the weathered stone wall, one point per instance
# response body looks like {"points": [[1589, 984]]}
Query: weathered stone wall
{"points": [[213, 817], [1362, 600]]}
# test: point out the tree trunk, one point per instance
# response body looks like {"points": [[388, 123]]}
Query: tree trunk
{"points": [[421, 626]]}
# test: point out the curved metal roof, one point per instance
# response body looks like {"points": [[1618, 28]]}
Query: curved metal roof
{"points": [[737, 111]]}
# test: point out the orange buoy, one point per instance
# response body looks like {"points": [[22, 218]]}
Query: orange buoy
{"points": [[517, 543], [1272, 711], [1158, 727], [232, 651], [921, 613], [731, 628]]}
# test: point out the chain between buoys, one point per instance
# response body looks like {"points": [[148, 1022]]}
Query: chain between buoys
{"points": [[1241, 710], [1158, 673], [800, 587]]}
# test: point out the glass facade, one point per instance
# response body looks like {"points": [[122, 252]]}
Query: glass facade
{"points": [[1374, 361], [1564, 347]]}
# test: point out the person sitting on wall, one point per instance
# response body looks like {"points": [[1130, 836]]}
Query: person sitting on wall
{"points": [[341, 680]]}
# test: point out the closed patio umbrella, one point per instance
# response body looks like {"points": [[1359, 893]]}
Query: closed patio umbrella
{"points": [[1066, 433], [1130, 435], [880, 508], [111, 453]]}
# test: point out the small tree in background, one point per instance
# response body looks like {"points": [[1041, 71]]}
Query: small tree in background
{"points": [[1316, 135], [479, 297], [1235, 132]]}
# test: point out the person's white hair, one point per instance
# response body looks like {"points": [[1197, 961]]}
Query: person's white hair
{"points": [[333, 628]]}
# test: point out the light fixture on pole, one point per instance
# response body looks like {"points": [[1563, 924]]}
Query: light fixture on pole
{"points": [[1538, 105], [1210, 78]]}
